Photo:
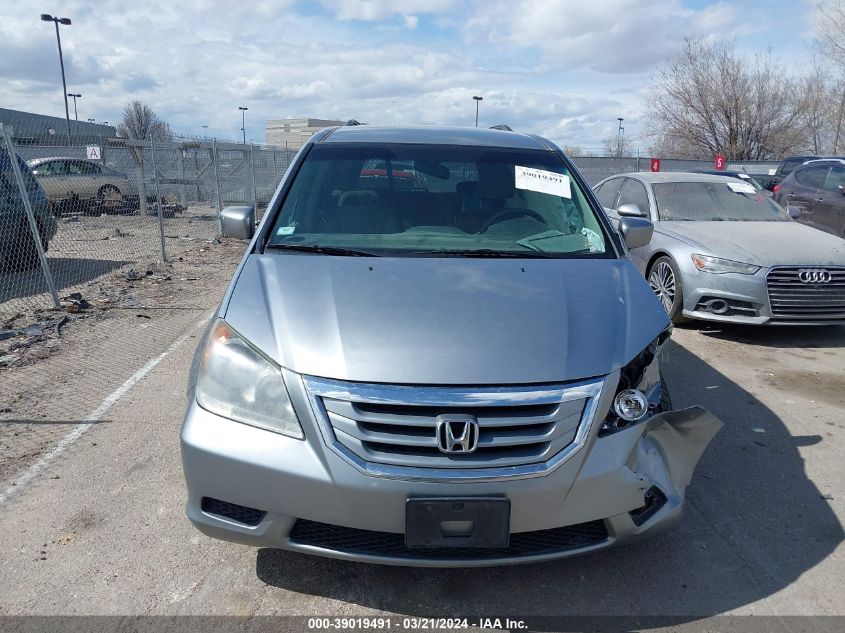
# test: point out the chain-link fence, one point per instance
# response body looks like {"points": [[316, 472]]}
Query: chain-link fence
{"points": [[596, 168], [110, 251], [96, 208]]}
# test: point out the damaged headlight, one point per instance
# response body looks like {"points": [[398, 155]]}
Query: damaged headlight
{"points": [[640, 392], [238, 382]]}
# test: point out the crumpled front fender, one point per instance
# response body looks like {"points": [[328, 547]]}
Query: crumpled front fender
{"points": [[671, 445]]}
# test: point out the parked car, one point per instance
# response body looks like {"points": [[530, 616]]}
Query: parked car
{"points": [[721, 251], [466, 374], [74, 184], [751, 180], [789, 164], [817, 190], [18, 250]]}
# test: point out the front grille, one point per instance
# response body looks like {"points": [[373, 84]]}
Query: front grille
{"points": [[232, 511], [389, 544], [793, 300], [396, 426]]}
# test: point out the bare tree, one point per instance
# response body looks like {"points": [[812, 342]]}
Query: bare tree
{"points": [[140, 122], [830, 39], [818, 109], [715, 101], [573, 151], [618, 145]]}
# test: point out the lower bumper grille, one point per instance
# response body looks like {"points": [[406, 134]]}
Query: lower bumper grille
{"points": [[792, 299], [232, 511], [389, 544]]}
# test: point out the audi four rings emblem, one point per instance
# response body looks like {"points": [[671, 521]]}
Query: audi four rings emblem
{"points": [[814, 276], [457, 433]]}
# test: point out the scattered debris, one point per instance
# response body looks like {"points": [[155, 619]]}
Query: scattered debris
{"points": [[828, 497], [132, 275], [74, 303]]}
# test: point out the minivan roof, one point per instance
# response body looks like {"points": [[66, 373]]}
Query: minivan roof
{"points": [[433, 135]]}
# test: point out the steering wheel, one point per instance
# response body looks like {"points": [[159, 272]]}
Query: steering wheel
{"points": [[511, 213]]}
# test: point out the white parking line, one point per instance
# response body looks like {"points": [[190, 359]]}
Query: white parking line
{"points": [[108, 402]]}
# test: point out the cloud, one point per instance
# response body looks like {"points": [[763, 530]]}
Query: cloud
{"points": [[371, 10], [558, 68]]}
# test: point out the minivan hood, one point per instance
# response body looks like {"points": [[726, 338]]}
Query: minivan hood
{"points": [[457, 321], [760, 243]]}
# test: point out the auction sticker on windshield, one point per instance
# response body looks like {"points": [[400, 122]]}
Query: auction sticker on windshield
{"points": [[741, 187], [542, 181]]}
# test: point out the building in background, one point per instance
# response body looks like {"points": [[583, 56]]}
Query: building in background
{"points": [[28, 128], [294, 133]]}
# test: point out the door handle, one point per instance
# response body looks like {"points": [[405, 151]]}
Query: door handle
{"points": [[790, 195], [819, 199]]}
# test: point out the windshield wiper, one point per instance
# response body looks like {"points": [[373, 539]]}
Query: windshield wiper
{"points": [[482, 252], [323, 250]]}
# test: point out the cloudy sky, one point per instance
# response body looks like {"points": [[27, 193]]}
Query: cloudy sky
{"points": [[562, 68]]}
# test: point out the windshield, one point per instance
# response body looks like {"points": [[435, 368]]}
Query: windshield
{"points": [[790, 164], [437, 200], [714, 201]]}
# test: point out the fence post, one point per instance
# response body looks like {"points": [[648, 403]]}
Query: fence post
{"points": [[30, 216], [216, 160], [158, 199], [252, 166], [638, 159], [275, 171], [183, 195]]}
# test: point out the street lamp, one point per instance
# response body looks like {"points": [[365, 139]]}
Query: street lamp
{"points": [[46, 17], [477, 99], [243, 120], [619, 132], [75, 96], [204, 132]]}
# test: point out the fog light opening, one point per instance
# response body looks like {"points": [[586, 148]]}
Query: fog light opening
{"points": [[653, 500], [717, 306], [630, 404]]}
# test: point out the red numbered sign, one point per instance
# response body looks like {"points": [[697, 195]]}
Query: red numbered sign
{"points": [[655, 164], [720, 161]]}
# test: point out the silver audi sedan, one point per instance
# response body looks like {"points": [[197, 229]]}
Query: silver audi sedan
{"points": [[722, 251]]}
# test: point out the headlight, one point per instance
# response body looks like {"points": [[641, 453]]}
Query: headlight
{"points": [[717, 265], [238, 382], [639, 393]]}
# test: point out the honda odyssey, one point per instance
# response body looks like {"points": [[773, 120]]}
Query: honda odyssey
{"points": [[455, 364]]}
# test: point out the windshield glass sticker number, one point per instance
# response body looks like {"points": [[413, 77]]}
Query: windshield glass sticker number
{"points": [[741, 187], [285, 230], [542, 181]]}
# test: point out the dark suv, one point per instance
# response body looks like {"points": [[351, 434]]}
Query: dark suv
{"points": [[817, 189], [788, 166]]}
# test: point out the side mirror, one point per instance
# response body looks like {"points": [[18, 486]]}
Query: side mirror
{"points": [[636, 232], [238, 222], [631, 210], [841, 189], [794, 212]]}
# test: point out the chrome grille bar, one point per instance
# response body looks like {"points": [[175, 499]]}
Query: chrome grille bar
{"points": [[389, 430]]}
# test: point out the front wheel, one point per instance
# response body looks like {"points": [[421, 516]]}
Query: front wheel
{"points": [[665, 282]]}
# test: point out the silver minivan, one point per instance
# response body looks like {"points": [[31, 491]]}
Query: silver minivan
{"points": [[436, 351]]}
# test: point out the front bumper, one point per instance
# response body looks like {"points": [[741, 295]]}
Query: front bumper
{"points": [[746, 295], [291, 480]]}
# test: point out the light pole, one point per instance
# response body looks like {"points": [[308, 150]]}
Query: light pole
{"points": [[204, 132], [243, 120], [75, 96], [46, 17], [619, 137], [477, 99]]}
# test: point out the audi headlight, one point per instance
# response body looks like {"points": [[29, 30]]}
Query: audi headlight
{"points": [[718, 266], [238, 382]]}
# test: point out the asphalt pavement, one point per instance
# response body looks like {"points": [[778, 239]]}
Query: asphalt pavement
{"points": [[100, 528]]}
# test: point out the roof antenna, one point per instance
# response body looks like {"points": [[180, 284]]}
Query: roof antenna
{"points": [[353, 122], [501, 126]]}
